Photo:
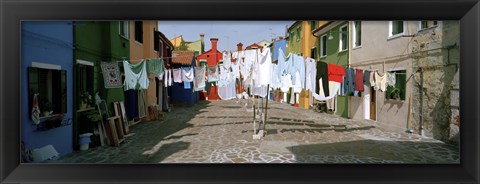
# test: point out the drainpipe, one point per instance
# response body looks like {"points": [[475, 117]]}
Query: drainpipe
{"points": [[421, 102]]}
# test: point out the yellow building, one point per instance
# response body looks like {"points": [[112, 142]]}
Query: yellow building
{"points": [[142, 47]]}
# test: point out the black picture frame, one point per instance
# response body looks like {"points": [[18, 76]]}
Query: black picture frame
{"points": [[13, 12]]}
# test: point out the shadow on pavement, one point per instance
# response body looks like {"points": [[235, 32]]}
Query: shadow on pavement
{"points": [[377, 151], [166, 150]]}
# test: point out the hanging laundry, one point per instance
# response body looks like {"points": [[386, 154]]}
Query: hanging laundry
{"points": [[286, 83], [111, 75], [177, 75], [187, 74], [264, 67], [322, 73], [380, 82], [187, 85], [227, 59], [359, 80], [213, 74], [236, 69], [155, 66], [227, 91], [199, 79], [166, 78], [391, 79], [349, 81], [335, 73], [332, 86], [310, 74], [223, 77], [366, 78], [372, 78], [135, 76], [298, 66], [160, 75], [35, 110]]}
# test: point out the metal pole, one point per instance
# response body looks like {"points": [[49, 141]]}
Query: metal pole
{"points": [[266, 108], [421, 102]]}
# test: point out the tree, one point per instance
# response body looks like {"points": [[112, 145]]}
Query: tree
{"points": [[182, 46]]}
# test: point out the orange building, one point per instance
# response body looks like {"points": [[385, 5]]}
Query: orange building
{"points": [[142, 46]]}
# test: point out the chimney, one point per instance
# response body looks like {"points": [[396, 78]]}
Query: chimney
{"points": [[273, 40], [202, 44], [239, 46], [281, 37], [214, 43]]}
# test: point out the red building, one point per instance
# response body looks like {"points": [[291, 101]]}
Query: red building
{"points": [[254, 46], [212, 57]]}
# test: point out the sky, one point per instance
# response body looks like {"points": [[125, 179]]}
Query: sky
{"points": [[229, 33]]}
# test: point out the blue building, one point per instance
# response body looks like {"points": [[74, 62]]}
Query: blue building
{"points": [[47, 70], [276, 45], [180, 95]]}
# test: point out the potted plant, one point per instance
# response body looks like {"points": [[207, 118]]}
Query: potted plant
{"points": [[395, 93], [47, 109], [85, 100]]}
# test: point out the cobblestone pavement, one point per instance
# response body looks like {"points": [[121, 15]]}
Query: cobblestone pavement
{"points": [[221, 132]]}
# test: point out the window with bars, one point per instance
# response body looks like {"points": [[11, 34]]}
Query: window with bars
{"points": [[396, 27], [398, 91], [313, 53], [123, 28], [323, 45], [139, 31], [313, 24], [357, 33], [428, 24], [51, 85], [156, 40], [343, 38]]}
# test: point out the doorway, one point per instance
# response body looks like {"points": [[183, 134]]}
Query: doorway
{"points": [[373, 102]]}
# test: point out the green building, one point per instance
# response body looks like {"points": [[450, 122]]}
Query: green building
{"points": [[333, 48], [94, 42]]}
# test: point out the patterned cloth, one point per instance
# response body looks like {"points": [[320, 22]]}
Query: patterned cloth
{"points": [[213, 74], [111, 75], [199, 82]]}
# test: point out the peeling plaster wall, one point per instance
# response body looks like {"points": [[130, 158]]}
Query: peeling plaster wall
{"points": [[436, 51]]}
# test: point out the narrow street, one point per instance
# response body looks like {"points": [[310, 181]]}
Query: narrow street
{"points": [[221, 132]]}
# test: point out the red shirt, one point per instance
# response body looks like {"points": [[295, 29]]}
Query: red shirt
{"points": [[335, 73], [359, 80]]}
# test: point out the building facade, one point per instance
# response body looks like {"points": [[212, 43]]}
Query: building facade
{"points": [[46, 63], [212, 57], [333, 49], [143, 46], [97, 42]]}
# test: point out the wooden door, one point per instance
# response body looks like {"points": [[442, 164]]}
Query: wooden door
{"points": [[373, 107]]}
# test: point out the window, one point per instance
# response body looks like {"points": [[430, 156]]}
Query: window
{"points": [[161, 49], [51, 85], [323, 45], [156, 40], [343, 38], [357, 33], [297, 34], [397, 92], [123, 28], [84, 79], [313, 24], [395, 28], [313, 53], [428, 24], [139, 31]]}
